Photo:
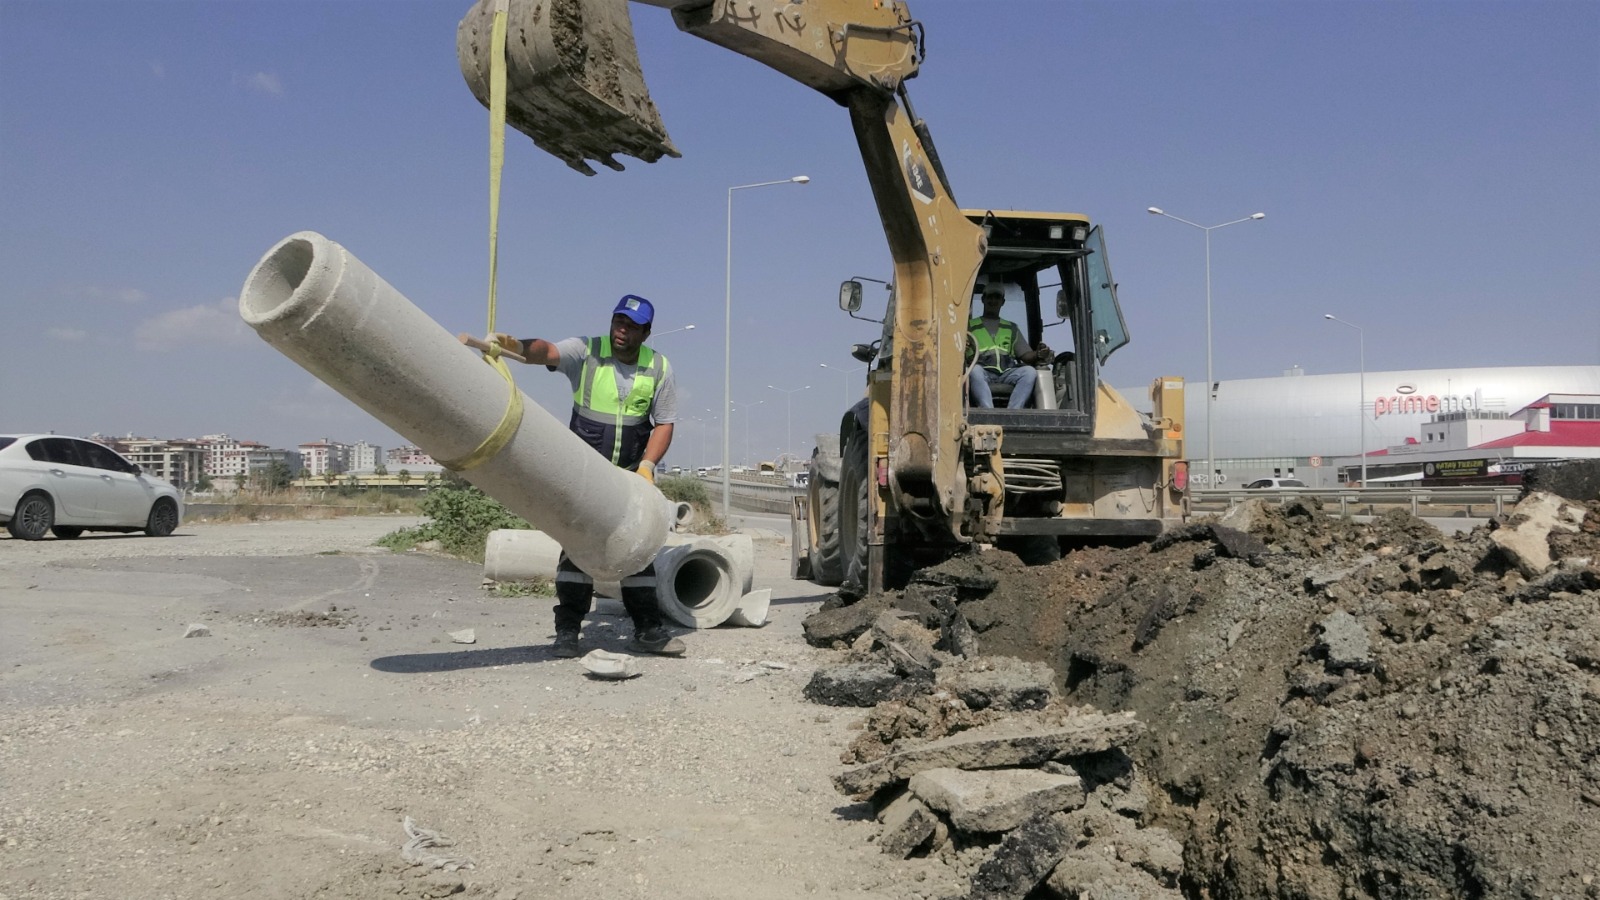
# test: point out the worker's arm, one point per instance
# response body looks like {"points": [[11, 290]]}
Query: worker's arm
{"points": [[654, 450], [660, 439], [1031, 356], [537, 351]]}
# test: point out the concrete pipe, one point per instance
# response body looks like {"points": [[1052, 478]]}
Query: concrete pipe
{"points": [[699, 584], [320, 306], [700, 581]]}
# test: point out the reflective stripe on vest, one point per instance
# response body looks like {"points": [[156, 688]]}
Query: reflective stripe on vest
{"points": [[596, 397], [999, 345]]}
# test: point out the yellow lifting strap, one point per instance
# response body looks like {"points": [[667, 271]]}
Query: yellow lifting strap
{"points": [[509, 422]]}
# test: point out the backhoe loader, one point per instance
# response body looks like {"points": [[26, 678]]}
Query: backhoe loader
{"points": [[919, 474]]}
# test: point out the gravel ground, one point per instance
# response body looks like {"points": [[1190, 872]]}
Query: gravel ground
{"points": [[280, 755]]}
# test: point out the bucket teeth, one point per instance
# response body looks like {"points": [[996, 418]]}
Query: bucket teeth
{"points": [[573, 81]]}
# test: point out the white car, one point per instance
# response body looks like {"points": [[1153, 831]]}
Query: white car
{"points": [[66, 486], [1274, 484]]}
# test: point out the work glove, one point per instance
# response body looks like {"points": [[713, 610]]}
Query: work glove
{"points": [[507, 342], [647, 470]]}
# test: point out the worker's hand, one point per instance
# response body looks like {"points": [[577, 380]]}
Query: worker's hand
{"points": [[647, 470], [1043, 355], [507, 342]]}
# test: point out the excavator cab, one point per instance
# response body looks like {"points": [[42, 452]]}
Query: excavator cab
{"points": [[1051, 268]]}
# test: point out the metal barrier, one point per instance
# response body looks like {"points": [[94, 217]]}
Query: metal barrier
{"points": [[758, 493], [1469, 502]]}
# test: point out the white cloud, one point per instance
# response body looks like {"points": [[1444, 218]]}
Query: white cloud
{"points": [[262, 83], [67, 334], [195, 327]]}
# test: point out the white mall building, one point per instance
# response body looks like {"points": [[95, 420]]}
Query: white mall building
{"points": [[1314, 427]]}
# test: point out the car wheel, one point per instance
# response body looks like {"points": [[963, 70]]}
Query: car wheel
{"points": [[32, 518], [66, 532], [163, 518]]}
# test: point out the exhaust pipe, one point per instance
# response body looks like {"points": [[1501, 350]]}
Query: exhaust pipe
{"points": [[317, 304]]}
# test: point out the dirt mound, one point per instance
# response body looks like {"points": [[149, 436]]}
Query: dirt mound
{"points": [[1337, 709]]}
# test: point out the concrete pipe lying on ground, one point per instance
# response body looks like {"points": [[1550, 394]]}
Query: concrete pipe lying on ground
{"points": [[320, 306], [701, 582]]}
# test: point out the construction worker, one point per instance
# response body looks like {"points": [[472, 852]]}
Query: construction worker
{"points": [[624, 403], [1001, 354]]}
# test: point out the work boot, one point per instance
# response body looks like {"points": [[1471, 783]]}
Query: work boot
{"points": [[656, 640], [566, 645]]}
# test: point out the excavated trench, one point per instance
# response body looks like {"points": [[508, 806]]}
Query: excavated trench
{"points": [[1333, 709]]}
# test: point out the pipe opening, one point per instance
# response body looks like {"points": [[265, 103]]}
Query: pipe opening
{"points": [[276, 279], [700, 581]]}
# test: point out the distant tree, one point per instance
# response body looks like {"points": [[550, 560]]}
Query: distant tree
{"points": [[381, 470], [239, 480], [278, 476], [403, 477], [329, 478], [203, 483]]}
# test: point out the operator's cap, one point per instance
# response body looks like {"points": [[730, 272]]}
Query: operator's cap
{"points": [[995, 290], [637, 308]]}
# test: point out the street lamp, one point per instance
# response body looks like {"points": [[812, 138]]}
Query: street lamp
{"points": [[1361, 405], [741, 406], [1211, 384], [846, 373], [727, 339], [672, 331], [789, 401]]}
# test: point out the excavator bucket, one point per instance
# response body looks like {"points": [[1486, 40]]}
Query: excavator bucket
{"points": [[573, 81]]}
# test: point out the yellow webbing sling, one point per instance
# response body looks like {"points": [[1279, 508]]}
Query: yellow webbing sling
{"points": [[502, 433]]}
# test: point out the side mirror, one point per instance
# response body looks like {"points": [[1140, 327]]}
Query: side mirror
{"points": [[850, 296], [1061, 304]]}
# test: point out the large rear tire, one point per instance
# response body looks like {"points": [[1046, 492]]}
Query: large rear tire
{"points": [[827, 568], [163, 518], [32, 518], [854, 496]]}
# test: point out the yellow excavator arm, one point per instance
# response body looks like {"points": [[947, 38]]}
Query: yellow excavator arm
{"points": [[574, 86]]}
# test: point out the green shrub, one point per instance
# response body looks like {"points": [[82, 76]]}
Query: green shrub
{"points": [[460, 519], [685, 490]]}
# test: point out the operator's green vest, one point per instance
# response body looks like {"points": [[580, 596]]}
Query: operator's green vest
{"points": [[999, 346], [619, 427]]}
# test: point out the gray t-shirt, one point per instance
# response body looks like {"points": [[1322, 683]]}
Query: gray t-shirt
{"points": [[663, 409]]}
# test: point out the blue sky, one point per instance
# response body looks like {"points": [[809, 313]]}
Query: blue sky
{"points": [[1429, 171]]}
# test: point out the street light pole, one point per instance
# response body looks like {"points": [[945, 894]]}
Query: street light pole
{"points": [[727, 340], [1361, 405], [1211, 384], [672, 331], [846, 373], [789, 400]]}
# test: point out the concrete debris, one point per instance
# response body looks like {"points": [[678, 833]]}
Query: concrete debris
{"points": [[197, 630], [464, 636], [1525, 539], [995, 800], [613, 666], [1006, 743], [908, 823], [1344, 643]]}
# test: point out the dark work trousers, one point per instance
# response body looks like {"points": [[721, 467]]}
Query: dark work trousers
{"points": [[575, 594]]}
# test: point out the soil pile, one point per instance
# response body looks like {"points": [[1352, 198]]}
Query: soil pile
{"points": [[1337, 709]]}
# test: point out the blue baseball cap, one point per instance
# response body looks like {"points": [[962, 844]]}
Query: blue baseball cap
{"points": [[636, 308]]}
